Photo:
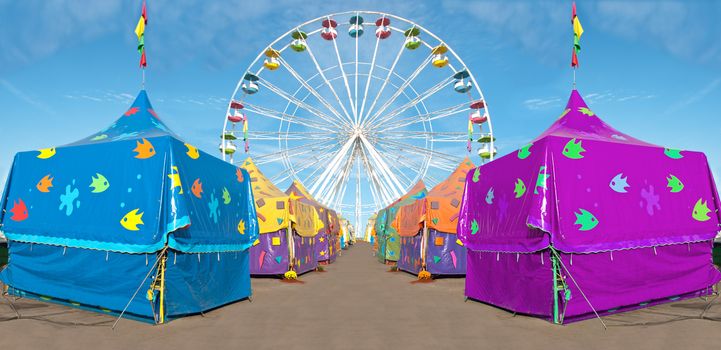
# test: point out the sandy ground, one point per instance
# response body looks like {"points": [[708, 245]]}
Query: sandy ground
{"points": [[357, 304]]}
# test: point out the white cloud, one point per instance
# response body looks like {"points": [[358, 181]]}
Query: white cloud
{"points": [[15, 91]]}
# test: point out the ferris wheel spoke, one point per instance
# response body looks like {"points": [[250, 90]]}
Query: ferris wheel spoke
{"points": [[378, 161], [355, 90], [426, 117], [395, 95], [383, 86], [345, 80], [434, 136], [376, 185], [305, 164], [283, 117], [370, 73], [378, 190], [421, 97], [302, 104], [393, 161], [422, 151], [326, 176], [338, 183], [413, 163], [330, 86], [275, 156], [296, 135], [310, 89]]}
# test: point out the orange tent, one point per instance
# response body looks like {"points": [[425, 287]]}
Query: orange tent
{"points": [[435, 246]]}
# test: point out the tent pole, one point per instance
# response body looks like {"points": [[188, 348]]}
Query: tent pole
{"points": [[162, 288], [424, 245], [554, 264], [291, 246]]}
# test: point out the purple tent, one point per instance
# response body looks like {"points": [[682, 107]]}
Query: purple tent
{"points": [[587, 219]]}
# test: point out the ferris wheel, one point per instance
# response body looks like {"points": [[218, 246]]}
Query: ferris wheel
{"points": [[358, 106]]}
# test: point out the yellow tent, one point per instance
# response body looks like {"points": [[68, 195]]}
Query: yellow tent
{"points": [[280, 218]]}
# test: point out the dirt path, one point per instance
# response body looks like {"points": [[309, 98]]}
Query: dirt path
{"points": [[357, 304]]}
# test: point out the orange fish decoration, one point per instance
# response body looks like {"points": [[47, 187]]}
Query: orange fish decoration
{"points": [[45, 183], [239, 174], [19, 211], [131, 111], [144, 149], [197, 188]]}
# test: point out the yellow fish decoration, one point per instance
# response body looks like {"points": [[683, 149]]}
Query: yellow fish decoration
{"points": [[131, 220], [175, 180], [192, 151], [241, 227], [46, 153]]}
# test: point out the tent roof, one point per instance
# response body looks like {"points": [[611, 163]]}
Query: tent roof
{"points": [[262, 186], [298, 191], [453, 185], [418, 191], [138, 122], [578, 121]]}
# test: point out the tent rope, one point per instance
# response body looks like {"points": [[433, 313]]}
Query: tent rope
{"points": [[162, 252], [579, 288]]}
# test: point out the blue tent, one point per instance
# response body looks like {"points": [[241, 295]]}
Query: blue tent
{"points": [[130, 208]]}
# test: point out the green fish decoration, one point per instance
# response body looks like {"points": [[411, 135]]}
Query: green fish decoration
{"points": [[673, 153], [474, 227], [99, 183], [586, 220], [520, 188], [226, 196], [674, 184], [573, 149], [586, 111], [476, 174], [701, 211], [525, 151], [541, 180], [99, 137]]}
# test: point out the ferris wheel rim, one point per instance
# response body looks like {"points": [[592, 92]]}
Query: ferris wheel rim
{"points": [[431, 140], [357, 12]]}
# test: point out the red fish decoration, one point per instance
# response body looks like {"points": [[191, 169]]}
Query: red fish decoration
{"points": [[45, 183], [131, 111], [197, 188], [19, 211]]}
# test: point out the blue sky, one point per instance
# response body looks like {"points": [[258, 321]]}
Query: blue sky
{"points": [[651, 69]]}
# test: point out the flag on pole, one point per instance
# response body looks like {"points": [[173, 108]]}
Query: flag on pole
{"points": [[140, 33], [577, 32]]}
